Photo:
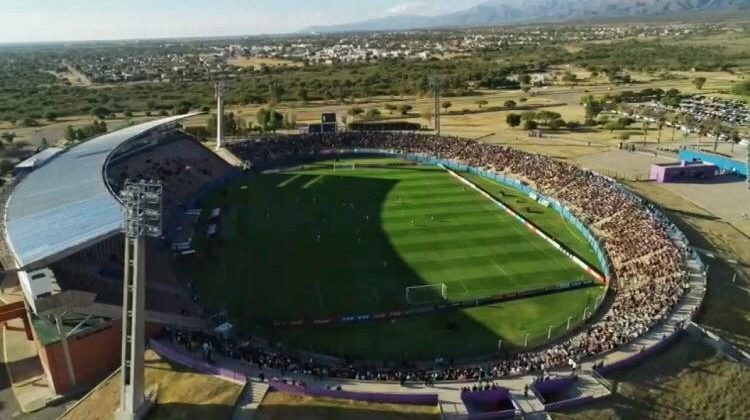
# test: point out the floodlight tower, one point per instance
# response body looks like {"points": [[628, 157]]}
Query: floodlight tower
{"points": [[220, 115], [143, 201], [436, 85]]}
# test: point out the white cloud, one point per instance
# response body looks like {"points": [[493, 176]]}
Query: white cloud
{"points": [[409, 8]]}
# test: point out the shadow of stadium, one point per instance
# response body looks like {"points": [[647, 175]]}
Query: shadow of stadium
{"points": [[300, 246]]}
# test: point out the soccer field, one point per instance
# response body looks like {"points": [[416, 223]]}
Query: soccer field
{"points": [[323, 242]]}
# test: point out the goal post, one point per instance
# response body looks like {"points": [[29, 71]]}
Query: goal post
{"points": [[426, 294]]}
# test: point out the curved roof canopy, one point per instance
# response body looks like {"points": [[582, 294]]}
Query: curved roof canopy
{"points": [[66, 205]]}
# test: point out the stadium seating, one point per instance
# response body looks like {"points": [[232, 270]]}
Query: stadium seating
{"points": [[647, 254]]}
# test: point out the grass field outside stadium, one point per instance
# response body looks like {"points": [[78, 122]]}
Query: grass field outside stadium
{"points": [[349, 237]]}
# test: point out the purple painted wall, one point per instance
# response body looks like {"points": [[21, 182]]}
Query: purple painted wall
{"points": [[677, 172]]}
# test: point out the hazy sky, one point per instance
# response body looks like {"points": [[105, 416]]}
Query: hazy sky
{"points": [[62, 20]]}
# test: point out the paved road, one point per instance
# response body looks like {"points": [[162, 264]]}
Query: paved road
{"points": [[9, 408]]}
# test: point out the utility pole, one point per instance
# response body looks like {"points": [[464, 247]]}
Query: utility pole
{"points": [[219, 115], [436, 86], [142, 201]]}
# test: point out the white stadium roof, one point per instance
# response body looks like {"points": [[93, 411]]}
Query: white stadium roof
{"points": [[66, 205]]}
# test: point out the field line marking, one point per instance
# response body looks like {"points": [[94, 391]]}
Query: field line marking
{"points": [[288, 181], [320, 295], [554, 243], [375, 295], [575, 234], [312, 182], [501, 269]]}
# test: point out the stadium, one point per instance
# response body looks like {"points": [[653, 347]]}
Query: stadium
{"points": [[356, 258]]}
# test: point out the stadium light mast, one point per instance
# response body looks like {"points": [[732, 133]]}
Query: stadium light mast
{"points": [[220, 115], [143, 201], [436, 86]]}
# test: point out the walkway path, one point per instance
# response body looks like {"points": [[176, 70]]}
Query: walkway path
{"points": [[115, 312], [249, 401]]}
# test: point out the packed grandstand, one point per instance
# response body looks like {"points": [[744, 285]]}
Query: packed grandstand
{"points": [[647, 254]]}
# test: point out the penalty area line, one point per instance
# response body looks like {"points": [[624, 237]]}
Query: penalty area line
{"points": [[320, 295]]}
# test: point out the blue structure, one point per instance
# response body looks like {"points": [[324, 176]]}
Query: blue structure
{"points": [[725, 164], [67, 204]]}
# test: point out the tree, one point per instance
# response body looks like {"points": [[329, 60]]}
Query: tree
{"points": [[660, 124], [480, 103], [557, 124], [372, 114], [524, 79], [50, 116], [592, 106], [569, 77], [530, 125], [714, 127], [573, 125], [390, 108], [302, 94], [528, 116], [509, 104], [101, 112], [699, 82], [612, 126], [8, 136], [128, 114], [263, 118], [277, 120], [675, 121], [6, 167], [275, 92], [405, 109], [547, 116], [742, 88], [513, 120], [29, 122], [70, 133], [446, 105], [355, 111]]}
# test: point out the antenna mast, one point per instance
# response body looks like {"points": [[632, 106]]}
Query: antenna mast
{"points": [[220, 87], [436, 86]]}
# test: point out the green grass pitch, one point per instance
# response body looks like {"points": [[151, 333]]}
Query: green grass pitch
{"points": [[320, 242]]}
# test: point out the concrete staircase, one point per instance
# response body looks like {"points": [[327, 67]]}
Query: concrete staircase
{"points": [[249, 400], [587, 385]]}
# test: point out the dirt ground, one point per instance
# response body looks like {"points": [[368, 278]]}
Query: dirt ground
{"points": [[282, 406], [182, 394]]}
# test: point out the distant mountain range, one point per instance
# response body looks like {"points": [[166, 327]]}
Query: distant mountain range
{"points": [[499, 12]]}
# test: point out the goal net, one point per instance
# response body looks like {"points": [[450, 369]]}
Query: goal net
{"points": [[426, 294]]}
